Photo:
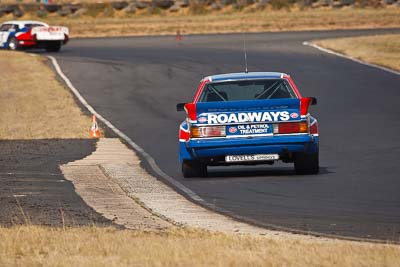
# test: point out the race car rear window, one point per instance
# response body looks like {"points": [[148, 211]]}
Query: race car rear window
{"points": [[7, 27], [247, 90], [31, 25]]}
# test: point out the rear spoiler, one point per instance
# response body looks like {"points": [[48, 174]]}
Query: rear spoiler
{"points": [[248, 110], [311, 101]]}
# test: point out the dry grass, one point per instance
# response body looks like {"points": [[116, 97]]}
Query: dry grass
{"points": [[33, 104], [381, 49], [237, 22], [248, 20], [40, 246]]}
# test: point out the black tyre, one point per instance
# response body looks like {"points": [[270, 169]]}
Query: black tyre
{"points": [[53, 47], [194, 169], [306, 163], [13, 44]]}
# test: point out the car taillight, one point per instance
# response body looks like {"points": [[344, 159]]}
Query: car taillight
{"points": [[207, 131], [66, 38], [291, 127]]}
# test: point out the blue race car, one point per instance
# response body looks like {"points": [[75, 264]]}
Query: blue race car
{"points": [[246, 119]]}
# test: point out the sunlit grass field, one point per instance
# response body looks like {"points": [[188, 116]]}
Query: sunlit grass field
{"points": [[118, 23], [93, 246], [33, 104], [383, 50]]}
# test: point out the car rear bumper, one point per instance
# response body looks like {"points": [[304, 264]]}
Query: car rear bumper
{"points": [[218, 148]]}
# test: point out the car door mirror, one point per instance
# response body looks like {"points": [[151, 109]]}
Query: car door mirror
{"points": [[180, 106], [313, 101]]}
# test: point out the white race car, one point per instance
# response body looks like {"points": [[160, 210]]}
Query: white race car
{"points": [[24, 34]]}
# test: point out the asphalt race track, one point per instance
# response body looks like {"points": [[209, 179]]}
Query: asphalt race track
{"points": [[136, 82]]}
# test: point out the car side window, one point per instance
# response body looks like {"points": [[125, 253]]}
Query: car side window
{"points": [[5, 27], [31, 25], [14, 27]]}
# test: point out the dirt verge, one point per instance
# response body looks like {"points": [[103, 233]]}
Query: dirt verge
{"points": [[40, 128], [33, 190], [109, 22], [33, 104], [382, 50]]}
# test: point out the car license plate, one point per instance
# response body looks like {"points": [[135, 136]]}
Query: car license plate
{"points": [[257, 157]]}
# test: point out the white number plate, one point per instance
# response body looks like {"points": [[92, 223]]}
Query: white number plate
{"points": [[258, 157]]}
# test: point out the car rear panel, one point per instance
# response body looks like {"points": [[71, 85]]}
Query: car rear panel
{"points": [[257, 145], [249, 129], [247, 112], [52, 33]]}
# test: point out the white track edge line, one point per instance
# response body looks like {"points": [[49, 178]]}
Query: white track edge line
{"points": [[350, 58], [136, 147]]}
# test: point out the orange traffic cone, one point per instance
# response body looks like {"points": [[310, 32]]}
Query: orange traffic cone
{"points": [[178, 35], [94, 130]]}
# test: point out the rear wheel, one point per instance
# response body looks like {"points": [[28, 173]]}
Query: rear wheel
{"points": [[13, 44], [194, 169], [306, 163], [53, 47]]}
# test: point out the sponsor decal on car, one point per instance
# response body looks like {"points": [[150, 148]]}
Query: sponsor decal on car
{"points": [[202, 119], [245, 117], [294, 115], [250, 129], [232, 130]]}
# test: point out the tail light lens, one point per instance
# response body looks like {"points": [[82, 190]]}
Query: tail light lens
{"points": [[291, 127], [66, 39], [207, 131]]}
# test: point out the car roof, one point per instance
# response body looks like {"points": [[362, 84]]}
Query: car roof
{"points": [[245, 76], [23, 22]]}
